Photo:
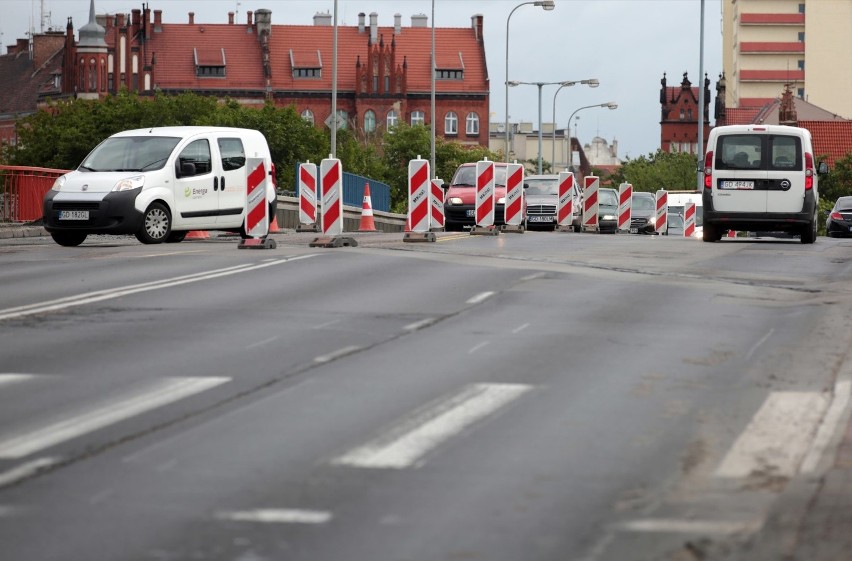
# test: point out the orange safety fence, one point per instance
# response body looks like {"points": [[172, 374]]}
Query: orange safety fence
{"points": [[22, 189]]}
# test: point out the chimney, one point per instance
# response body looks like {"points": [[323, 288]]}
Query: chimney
{"points": [[321, 19], [263, 22], [249, 15], [374, 27], [119, 21], [476, 23], [230, 18], [419, 20], [191, 18], [397, 23], [23, 46], [361, 17], [158, 21], [137, 16]]}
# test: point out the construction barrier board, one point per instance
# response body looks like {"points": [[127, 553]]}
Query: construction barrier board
{"points": [[625, 206], [565, 200], [485, 200], [257, 209], [513, 209], [331, 184], [688, 220], [436, 198], [419, 197], [662, 214], [308, 194], [591, 205]]}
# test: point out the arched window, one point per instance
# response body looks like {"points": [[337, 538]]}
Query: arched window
{"points": [[472, 124], [393, 118], [418, 118], [308, 116], [369, 121], [451, 123]]}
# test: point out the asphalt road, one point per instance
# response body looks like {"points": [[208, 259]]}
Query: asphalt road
{"points": [[513, 398]]}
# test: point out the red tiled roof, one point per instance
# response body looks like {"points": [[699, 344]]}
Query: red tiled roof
{"points": [[773, 75], [779, 19], [832, 139], [210, 56], [772, 47], [673, 92], [21, 84], [741, 115], [755, 101]]}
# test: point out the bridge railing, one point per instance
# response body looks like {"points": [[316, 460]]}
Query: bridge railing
{"points": [[22, 190]]}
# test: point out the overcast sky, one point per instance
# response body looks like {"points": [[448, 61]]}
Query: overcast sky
{"points": [[626, 44]]}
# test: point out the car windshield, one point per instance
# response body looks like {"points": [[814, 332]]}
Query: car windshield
{"points": [[542, 187], [466, 176], [130, 153], [607, 197], [644, 203]]}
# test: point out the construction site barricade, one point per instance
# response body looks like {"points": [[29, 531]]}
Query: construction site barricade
{"points": [[331, 174], [513, 209], [662, 214], [591, 205], [565, 200], [625, 206], [688, 220]]}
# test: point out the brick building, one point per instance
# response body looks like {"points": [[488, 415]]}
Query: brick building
{"points": [[680, 114]]}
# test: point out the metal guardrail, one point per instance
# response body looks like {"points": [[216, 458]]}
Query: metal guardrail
{"points": [[353, 190], [22, 190]]}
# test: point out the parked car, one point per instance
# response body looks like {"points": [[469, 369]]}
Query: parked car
{"points": [[607, 211], [675, 224], [158, 184], [643, 213], [761, 178], [542, 195], [839, 221], [460, 197]]}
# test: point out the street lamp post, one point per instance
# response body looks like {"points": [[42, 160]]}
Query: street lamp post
{"points": [[609, 105], [547, 5], [592, 83]]}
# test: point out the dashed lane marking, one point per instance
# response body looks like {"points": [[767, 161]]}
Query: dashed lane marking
{"points": [[277, 516]]}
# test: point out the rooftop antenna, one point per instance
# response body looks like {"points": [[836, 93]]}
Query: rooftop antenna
{"points": [[45, 17], [237, 16]]}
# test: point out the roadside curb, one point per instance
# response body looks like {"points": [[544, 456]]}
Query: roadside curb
{"points": [[16, 231]]}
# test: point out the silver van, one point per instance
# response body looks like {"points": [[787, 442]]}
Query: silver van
{"points": [[158, 184], [760, 178]]}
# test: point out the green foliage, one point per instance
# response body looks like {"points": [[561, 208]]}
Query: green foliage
{"points": [[661, 170]]}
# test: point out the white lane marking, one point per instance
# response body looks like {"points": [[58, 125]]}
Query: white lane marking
{"points": [[9, 378], [829, 425], [25, 470], [277, 516], [417, 325], [520, 328], [757, 345], [262, 343], [165, 392], [481, 297], [778, 436], [110, 293], [533, 276], [680, 526], [326, 324], [415, 436], [478, 347], [337, 354]]}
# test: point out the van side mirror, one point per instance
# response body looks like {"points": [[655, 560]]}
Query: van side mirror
{"points": [[822, 168]]}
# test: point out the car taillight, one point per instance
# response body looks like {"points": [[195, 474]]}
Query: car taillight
{"points": [[809, 171], [836, 216], [708, 170], [274, 179]]}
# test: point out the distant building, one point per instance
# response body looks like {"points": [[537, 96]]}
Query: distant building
{"points": [[680, 114], [383, 74]]}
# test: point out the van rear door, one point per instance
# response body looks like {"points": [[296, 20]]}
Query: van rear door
{"points": [[786, 174], [741, 179], [232, 180]]}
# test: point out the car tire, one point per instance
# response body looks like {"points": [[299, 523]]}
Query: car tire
{"points": [[156, 225], [809, 233], [68, 239], [453, 227], [712, 233], [176, 237]]}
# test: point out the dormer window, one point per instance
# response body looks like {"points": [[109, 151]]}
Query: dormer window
{"points": [[450, 68], [209, 62], [306, 64]]}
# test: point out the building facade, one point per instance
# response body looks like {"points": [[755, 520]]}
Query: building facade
{"points": [[680, 116], [383, 72]]}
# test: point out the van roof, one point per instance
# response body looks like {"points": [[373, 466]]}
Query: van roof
{"points": [[768, 129], [185, 131]]}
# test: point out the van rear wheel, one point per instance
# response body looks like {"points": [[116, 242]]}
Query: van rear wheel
{"points": [[156, 225], [712, 233], [809, 232]]}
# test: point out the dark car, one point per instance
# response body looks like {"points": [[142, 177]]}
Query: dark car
{"points": [[675, 224], [643, 213], [607, 211], [839, 222]]}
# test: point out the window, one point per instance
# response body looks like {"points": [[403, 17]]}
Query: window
{"points": [[393, 119], [801, 8], [472, 124], [387, 83], [785, 153], [689, 113], [682, 115], [451, 123], [801, 64], [449, 74], [232, 152], [418, 118], [801, 36], [369, 121], [308, 116], [801, 93], [210, 71], [674, 149], [197, 153], [307, 73]]}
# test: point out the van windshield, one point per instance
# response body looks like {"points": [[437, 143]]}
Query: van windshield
{"points": [[130, 153]]}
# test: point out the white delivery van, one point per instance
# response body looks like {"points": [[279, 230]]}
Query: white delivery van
{"points": [[760, 178], [158, 184]]}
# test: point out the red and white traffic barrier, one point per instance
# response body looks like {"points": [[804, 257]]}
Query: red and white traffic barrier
{"points": [[688, 220], [437, 202], [256, 223], [662, 214], [331, 181], [419, 188], [625, 206], [513, 209], [308, 194], [484, 203], [565, 201], [590, 202]]}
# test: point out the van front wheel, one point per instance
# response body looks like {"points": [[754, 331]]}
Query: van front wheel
{"points": [[156, 225]]}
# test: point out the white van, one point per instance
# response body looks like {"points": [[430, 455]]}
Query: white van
{"points": [[760, 178], [158, 184]]}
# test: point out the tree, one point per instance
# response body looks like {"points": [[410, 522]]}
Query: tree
{"points": [[660, 170]]}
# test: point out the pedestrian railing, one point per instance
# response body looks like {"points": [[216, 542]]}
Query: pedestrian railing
{"points": [[22, 190]]}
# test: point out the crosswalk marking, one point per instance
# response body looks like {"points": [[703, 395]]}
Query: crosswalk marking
{"points": [[778, 436], [164, 392], [414, 437]]}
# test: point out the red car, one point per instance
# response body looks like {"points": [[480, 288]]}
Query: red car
{"points": [[461, 194]]}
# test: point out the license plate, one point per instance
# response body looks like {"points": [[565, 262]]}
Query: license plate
{"points": [[740, 185], [634, 230], [73, 214], [470, 213], [541, 218]]}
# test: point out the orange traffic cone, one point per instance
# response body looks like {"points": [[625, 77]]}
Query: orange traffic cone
{"points": [[197, 235], [367, 222], [273, 226]]}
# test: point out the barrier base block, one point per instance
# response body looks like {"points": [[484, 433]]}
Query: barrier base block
{"points": [[419, 237], [484, 231], [257, 243], [513, 228], [333, 241], [591, 228], [308, 228], [568, 228]]}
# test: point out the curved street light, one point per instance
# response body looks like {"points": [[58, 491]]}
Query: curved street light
{"points": [[609, 105], [547, 5], [592, 83]]}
